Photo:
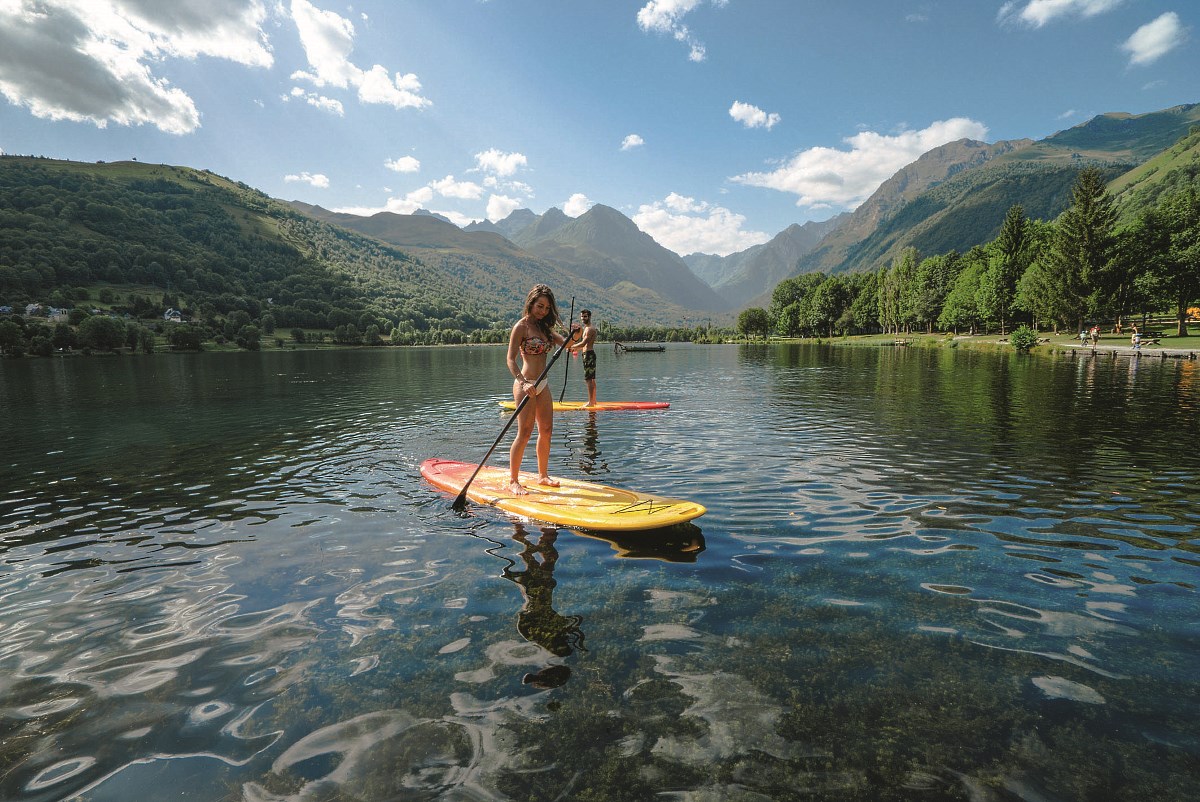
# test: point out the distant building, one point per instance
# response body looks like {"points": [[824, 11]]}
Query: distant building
{"points": [[33, 309], [173, 316], [5, 310], [57, 315]]}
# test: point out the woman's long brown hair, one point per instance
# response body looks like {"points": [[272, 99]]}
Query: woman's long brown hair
{"points": [[552, 319]]}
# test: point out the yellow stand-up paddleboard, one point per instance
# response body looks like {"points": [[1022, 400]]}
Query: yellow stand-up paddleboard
{"points": [[599, 406], [580, 505]]}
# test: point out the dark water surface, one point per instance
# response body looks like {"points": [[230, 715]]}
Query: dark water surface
{"points": [[924, 575]]}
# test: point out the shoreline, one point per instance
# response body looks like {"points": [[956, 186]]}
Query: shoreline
{"points": [[1129, 350], [1050, 345]]}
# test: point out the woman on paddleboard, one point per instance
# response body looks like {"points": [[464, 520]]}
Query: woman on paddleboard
{"points": [[531, 341]]}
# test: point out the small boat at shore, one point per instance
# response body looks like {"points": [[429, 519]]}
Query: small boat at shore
{"points": [[619, 347]]}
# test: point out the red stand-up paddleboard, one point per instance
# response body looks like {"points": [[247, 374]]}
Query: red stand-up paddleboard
{"points": [[600, 406]]}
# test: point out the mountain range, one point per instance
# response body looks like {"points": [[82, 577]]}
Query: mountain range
{"points": [[602, 246], [485, 261], [955, 196], [951, 198], [63, 224]]}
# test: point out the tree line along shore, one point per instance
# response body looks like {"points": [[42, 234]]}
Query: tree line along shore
{"points": [[1083, 269]]}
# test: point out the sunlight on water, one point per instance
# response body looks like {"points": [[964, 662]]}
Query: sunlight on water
{"points": [[924, 574]]}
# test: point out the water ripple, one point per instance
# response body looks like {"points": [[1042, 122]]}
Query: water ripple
{"points": [[913, 561]]}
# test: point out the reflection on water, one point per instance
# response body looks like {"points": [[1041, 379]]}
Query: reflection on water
{"points": [[924, 574], [678, 544], [538, 622]]}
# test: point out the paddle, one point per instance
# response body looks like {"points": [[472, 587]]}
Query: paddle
{"points": [[567, 364], [460, 501]]}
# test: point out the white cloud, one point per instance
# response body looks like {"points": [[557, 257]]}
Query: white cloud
{"points": [[458, 218], [404, 164], [326, 104], [666, 17], [500, 163], [400, 92], [449, 187], [632, 141], [418, 196], [328, 39], [1155, 39], [823, 177], [500, 207], [313, 99], [94, 60], [576, 205], [315, 179], [684, 225], [752, 116], [1039, 12], [227, 29], [406, 204]]}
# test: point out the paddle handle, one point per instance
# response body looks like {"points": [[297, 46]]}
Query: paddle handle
{"points": [[460, 500]]}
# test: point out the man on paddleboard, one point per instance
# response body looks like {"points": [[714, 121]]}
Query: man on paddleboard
{"points": [[587, 345]]}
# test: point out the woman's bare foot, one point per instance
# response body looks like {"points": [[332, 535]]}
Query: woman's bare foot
{"points": [[547, 481], [517, 489]]}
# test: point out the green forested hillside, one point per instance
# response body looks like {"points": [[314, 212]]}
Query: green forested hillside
{"points": [[966, 209], [1118, 136], [1173, 169], [161, 236], [970, 209]]}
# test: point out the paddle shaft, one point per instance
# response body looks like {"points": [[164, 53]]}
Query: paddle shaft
{"points": [[567, 364], [460, 500]]}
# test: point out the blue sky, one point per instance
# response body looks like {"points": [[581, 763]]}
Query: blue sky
{"points": [[714, 124]]}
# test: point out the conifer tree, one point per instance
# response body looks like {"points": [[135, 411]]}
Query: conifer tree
{"points": [[998, 288], [1179, 269], [1080, 265]]}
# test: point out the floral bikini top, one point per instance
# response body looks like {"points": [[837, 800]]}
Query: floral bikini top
{"points": [[534, 346]]}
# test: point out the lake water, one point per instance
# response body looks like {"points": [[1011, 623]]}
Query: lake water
{"points": [[925, 574]]}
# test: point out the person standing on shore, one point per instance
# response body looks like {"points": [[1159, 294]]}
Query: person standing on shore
{"points": [[587, 345]]}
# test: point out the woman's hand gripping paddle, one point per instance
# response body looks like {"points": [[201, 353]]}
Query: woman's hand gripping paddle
{"points": [[460, 501]]}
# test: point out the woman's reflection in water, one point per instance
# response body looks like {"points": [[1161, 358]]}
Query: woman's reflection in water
{"points": [[538, 622]]}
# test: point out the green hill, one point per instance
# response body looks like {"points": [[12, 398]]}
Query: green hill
{"points": [[174, 236], [966, 206], [1175, 167]]}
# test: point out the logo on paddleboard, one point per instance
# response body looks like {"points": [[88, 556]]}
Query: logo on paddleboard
{"points": [[648, 507]]}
